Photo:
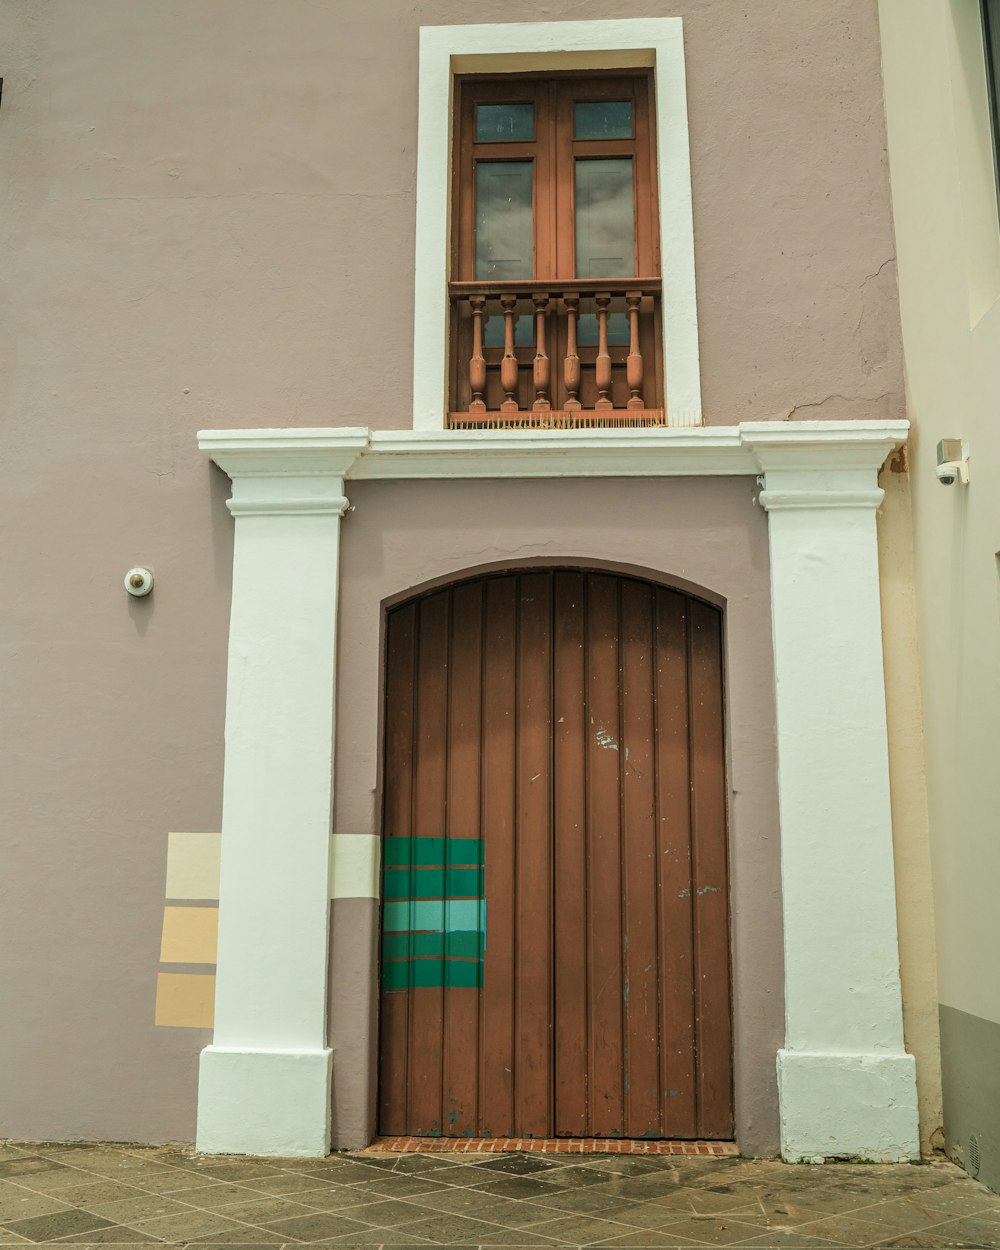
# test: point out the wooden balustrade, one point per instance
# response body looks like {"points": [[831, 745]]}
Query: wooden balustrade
{"points": [[612, 375]]}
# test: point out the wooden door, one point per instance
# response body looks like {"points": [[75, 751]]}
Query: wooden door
{"points": [[555, 951]]}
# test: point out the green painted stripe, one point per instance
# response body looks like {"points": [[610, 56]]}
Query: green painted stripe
{"points": [[405, 974], [461, 944], [415, 852], [432, 883]]}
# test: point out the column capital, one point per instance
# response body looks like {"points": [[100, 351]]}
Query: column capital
{"points": [[822, 464], [292, 472]]}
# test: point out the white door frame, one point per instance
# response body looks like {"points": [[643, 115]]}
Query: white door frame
{"points": [[846, 1084]]}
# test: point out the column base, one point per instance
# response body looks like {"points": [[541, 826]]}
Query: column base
{"points": [[264, 1102], [860, 1106]]}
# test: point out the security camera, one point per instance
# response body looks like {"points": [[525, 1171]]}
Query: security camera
{"points": [[952, 462]]}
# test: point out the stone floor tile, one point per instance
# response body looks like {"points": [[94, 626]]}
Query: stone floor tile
{"points": [[60, 1224], [582, 1230], [337, 1198], [923, 1240], [982, 1229], [954, 1200], [583, 1201], [261, 1210], [520, 1187], [517, 1165], [791, 1239], [714, 1230], [238, 1171], [851, 1229], [240, 1237], [463, 1175], [318, 1226], [285, 1183], [212, 1197], [448, 1228], [27, 1165], [388, 1186], [115, 1235], [185, 1227], [648, 1237], [20, 1204], [344, 1173], [653, 1215], [518, 1237], [708, 1201], [95, 1190], [142, 1207]]}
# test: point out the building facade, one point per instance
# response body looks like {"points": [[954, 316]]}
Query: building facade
{"points": [[939, 60], [510, 418]]}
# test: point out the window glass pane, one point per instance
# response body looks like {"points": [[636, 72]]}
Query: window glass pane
{"points": [[524, 331], [991, 35], [588, 331], [505, 123], [503, 219], [603, 119], [605, 224]]}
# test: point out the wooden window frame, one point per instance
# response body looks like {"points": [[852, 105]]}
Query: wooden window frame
{"points": [[554, 153]]}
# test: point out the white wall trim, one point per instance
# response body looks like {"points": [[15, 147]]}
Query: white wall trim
{"points": [[259, 459], [846, 1084], [549, 46]]}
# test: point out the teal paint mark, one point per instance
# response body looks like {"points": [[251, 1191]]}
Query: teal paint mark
{"points": [[433, 915], [439, 915], [460, 944], [432, 852], [708, 889], [408, 974], [432, 883]]}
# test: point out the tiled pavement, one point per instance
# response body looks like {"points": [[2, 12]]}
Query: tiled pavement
{"points": [[136, 1196]]}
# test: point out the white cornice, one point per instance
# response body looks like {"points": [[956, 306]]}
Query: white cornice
{"points": [[795, 456]]}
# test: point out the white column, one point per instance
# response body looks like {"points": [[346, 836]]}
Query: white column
{"points": [[846, 1084], [264, 1084]]}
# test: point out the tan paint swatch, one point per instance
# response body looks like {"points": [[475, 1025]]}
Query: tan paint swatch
{"points": [[185, 1000], [190, 935], [193, 865]]}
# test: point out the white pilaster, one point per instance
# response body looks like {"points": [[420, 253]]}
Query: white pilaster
{"points": [[846, 1084], [265, 1081]]}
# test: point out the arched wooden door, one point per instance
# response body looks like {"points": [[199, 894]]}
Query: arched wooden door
{"points": [[555, 948]]}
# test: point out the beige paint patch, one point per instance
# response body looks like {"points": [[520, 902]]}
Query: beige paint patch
{"points": [[355, 864], [185, 1000], [193, 865], [190, 935]]}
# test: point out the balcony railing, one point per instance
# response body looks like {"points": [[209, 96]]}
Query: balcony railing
{"points": [[530, 354]]}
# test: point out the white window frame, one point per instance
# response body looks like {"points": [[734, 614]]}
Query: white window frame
{"points": [[540, 46]]}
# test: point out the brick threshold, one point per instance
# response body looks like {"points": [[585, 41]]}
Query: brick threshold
{"points": [[549, 1145]]}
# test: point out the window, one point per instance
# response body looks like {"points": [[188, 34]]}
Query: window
{"points": [[991, 41], [615, 47], [555, 264]]}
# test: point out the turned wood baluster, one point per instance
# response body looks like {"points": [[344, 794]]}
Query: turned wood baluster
{"points": [[508, 366], [571, 366], [633, 365], [477, 365], [541, 362], [603, 370]]}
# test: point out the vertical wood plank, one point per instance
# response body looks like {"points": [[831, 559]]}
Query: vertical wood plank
{"points": [[710, 891], [570, 860], [461, 1003], [496, 1020], [533, 909], [396, 823], [425, 1113], [639, 953], [604, 903], [673, 851]]}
